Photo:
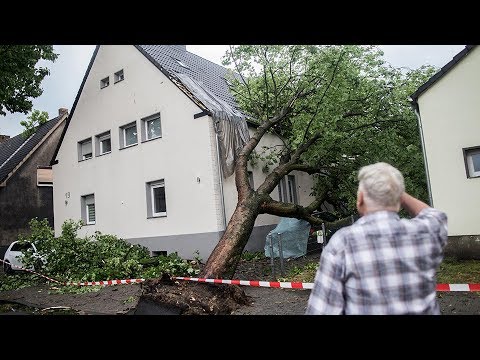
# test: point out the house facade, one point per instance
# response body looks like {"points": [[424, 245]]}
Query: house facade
{"points": [[448, 109], [26, 178], [139, 157]]}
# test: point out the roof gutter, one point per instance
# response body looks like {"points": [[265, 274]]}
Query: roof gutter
{"points": [[416, 108]]}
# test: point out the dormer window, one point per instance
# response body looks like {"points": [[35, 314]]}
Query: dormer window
{"points": [[118, 76], [104, 82], [181, 64]]}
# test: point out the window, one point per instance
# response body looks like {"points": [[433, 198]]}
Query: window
{"points": [[156, 201], [88, 209], [250, 179], [151, 128], [85, 149], [181, 64], [118, 76], [287, 190], [159, 253], [128, 135], [44, 176], [472, 161], [104, 82], [103, 143]]}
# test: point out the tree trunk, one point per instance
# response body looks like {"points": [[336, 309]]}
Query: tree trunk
{"points": [[233, 241]]}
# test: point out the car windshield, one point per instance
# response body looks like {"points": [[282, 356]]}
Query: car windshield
{"points": [[20, 246]]}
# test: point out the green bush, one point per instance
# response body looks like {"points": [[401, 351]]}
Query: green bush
{"points": [[251, 256], [98, 257]]}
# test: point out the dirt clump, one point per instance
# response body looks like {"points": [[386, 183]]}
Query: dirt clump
{"points": [[190, 298]]}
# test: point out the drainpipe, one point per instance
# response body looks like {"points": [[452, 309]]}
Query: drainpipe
{"points": [[416, 108], [220, 175]]}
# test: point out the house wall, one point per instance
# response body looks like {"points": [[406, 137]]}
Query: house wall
{"points": [[450, 116], [21, 199], [265, 222], [118, 180]]}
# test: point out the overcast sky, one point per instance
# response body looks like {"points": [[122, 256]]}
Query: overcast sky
{"points": [[66, 74]]}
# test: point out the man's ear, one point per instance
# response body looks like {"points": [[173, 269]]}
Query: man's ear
{"points": [[360, 202]]}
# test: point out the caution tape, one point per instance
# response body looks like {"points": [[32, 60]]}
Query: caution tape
{"points": [[458, 287], [305, 285], [271, 284], [33, 272], [254, 283], [105, 282], [85, 283]]}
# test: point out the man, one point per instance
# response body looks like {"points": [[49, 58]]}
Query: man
{"points": [[382, 264]]}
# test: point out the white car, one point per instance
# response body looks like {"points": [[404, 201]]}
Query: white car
{"points": [[12, 260]]}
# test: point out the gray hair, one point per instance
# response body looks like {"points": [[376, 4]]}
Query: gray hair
{"points": [[382, 184]]}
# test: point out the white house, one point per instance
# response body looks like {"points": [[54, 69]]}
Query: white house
{"points": [[139, 156], [448, 109]]}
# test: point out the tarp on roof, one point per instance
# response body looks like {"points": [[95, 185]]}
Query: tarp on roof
{"points": [[230, 124]]}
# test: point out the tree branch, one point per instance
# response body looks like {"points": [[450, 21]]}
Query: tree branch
{"points": [[373, 124], [290, 210], [308, 169], [324, 93]]}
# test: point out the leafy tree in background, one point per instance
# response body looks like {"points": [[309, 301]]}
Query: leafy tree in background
{"points": [[20, 79], [35, 119], [337, 108]]}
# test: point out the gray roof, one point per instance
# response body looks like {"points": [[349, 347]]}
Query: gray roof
{"points": [[14, 150], [171, 58], [442, 71]]}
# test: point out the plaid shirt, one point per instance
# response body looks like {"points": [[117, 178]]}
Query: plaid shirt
{"points": [[381, 265]]}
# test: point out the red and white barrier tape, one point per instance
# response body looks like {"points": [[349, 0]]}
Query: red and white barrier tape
{"points": [[458, 287], [255, 283], [304, 285], [85, 283], [272, 284], [33, 272], [105, 282]]}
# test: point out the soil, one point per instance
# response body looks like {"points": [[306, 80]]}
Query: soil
{"points": [[162, 296]]}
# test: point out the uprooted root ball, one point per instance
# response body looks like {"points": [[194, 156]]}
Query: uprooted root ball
{"points": [[195, 298]]}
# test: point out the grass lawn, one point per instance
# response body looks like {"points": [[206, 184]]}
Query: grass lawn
{"points": [[451, 271]]}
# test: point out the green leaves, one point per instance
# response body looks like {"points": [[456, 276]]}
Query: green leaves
{"points": [[99, 257], [20, 77], [347, 96], [35, 119]]}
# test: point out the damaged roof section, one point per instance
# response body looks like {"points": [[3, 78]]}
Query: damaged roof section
{"points": [[205, 83], [175, 59]]}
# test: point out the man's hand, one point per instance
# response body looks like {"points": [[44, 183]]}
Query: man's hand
{"points": [[411, 204]]}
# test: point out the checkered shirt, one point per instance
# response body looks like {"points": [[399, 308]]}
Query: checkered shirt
{"points": [[381, 265]]}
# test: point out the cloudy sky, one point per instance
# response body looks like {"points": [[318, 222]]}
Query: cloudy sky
{"points": [[66, 74]]}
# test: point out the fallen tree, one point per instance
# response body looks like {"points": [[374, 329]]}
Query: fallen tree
{"points": [[336, 108]]}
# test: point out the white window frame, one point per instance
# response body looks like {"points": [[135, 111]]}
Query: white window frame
{"points": [[82, 155], [146, 127], [468, 152], [100, 143], [125, 134], [88, 200], [155, 185], [118, 76], [87, 217], [285, 193], [292, 189]]}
